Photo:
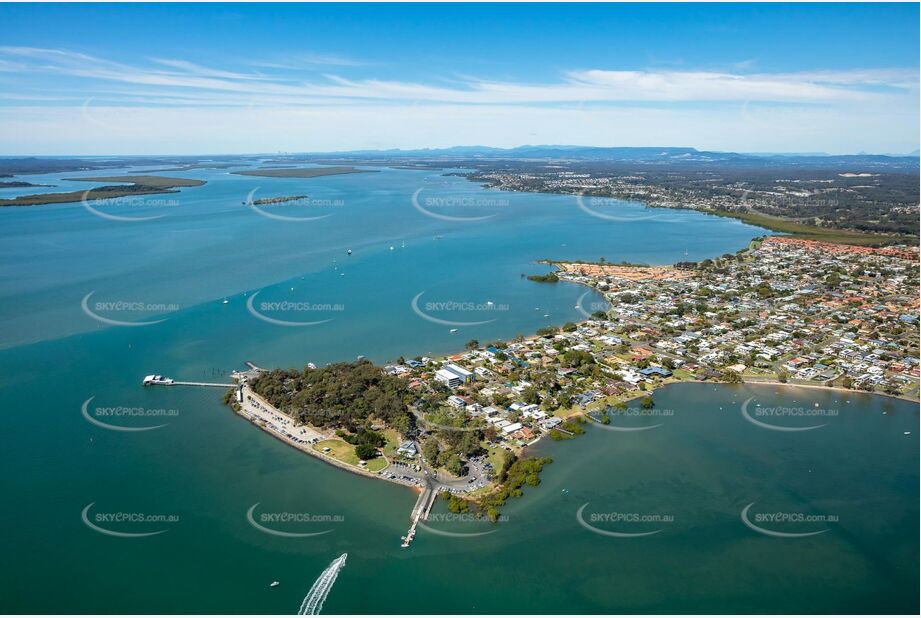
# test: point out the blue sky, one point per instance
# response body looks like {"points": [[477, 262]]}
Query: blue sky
{"points": [[220, 78]]}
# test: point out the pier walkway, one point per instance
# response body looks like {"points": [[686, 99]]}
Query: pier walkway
{"points": [[421, 511]]}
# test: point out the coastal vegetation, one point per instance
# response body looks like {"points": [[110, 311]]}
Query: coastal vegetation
{"points": [[548, 278], [515, 473], [347, 396], [16, 184], [814, 232], [138, 185]]}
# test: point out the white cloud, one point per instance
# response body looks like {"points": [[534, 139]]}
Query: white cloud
{"points": [[173, 104]]}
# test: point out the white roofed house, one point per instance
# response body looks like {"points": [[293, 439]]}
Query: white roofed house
{"points": [[453, 375], [511, 428]]}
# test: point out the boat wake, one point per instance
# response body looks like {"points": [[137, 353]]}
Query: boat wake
{"points": [[317, 594]]}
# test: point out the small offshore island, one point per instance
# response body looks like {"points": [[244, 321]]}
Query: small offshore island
{"points": [[781, 311], [282, 199]]}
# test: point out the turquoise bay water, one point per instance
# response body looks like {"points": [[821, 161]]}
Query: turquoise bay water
{"points": [[207, 467]]}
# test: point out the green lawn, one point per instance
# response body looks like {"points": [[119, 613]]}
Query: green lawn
{"points": [[345, 452], [393, 442], [496, 458], [377, 464], [338, 449]]}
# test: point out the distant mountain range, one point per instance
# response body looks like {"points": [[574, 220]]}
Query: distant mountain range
{"points": [[647, 155]]}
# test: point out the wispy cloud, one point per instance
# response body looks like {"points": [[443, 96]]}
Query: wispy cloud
{"points": [[55, 100], [300, 61], [178, 78]]}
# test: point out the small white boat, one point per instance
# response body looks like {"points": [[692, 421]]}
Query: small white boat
{"points": [[453, 330], [273, 584], [349, 252], [226, 301], [391, 247]]}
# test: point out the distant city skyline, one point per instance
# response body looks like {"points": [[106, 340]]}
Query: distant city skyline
{"points": [[240, 78]]}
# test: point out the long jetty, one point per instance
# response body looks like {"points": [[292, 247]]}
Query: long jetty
{"points": [[420, 512], [179, 383]]}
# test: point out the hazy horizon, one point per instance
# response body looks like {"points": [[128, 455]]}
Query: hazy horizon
{"points": [[454, 147]]}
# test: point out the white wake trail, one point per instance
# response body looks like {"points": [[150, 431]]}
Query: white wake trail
{"points": [[317, 594]]}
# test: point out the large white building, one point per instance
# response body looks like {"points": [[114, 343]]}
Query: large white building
{"points": [[453, 375]]}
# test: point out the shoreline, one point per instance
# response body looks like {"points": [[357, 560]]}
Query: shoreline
{"points": [[773, 224], [308, 449], [827, 388]]}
